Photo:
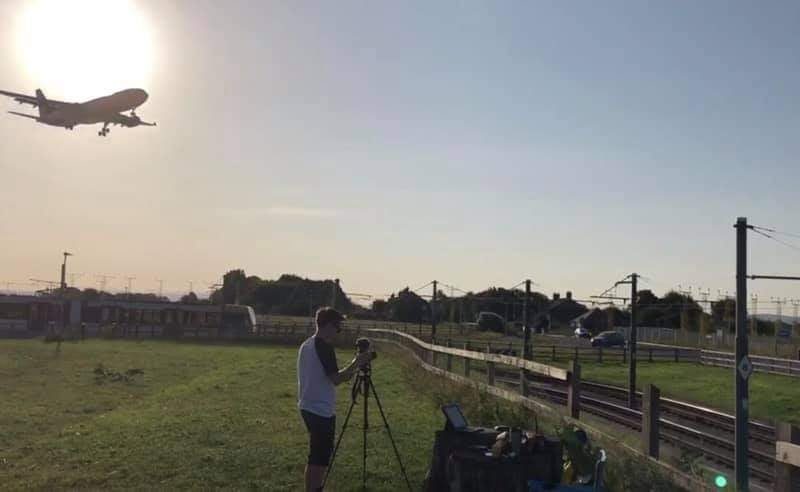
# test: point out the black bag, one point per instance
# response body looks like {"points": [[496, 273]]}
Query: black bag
{"points": [[459, 463], [443, 446]]}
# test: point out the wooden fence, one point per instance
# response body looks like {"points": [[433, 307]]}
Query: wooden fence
{"points": [[786, 367], [653, 428]]}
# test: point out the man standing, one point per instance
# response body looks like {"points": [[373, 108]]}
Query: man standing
{"points": [[317, 376]]}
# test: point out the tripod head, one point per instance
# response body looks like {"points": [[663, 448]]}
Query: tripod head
{"points": [[363, 345]]}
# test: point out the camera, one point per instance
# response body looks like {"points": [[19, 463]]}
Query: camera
{"points": [[363, 345]]}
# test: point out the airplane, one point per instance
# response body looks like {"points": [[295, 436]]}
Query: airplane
{"points": [[107, 110]]}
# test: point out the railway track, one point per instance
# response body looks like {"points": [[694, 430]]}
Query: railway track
{"points": [[686, 426]]}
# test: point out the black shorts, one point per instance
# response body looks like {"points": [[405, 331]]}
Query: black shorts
{"points": [[321, 431]]}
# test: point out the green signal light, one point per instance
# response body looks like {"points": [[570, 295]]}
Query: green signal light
{"points": [[720, 481]]}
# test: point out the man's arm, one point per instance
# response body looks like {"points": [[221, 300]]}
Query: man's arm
{"points": [[345, 374], [328, 359]]}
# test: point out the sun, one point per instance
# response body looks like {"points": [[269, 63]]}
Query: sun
{"points": [[82, 49]]}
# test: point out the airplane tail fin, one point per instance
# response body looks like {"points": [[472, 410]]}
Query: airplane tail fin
{"points": [[44, 106]]}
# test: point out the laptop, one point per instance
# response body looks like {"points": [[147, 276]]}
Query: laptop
{"points": [[455, 418]]}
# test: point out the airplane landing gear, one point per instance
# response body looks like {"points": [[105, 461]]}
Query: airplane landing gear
{"points": [[104, 131]]}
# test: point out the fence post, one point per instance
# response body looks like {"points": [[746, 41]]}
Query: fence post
{"points": [[786, 475], [466, 360], [554, 352], [577, 355], [651, 355], [489, 368], [574, 390], [449, 360], [676, 355], [651, 409], [600, 354], [523, 382], [624, 355]]}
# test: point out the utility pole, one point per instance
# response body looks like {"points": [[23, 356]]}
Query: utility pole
{"points": [[685, 295], [64, 272], [526, 316], [743, 367], [433, 311], [335, 293], [795, 320], [73, 277], [779, 325], [128, 287], [103, 281], [632, 343], [631, 279], [160, 287]]}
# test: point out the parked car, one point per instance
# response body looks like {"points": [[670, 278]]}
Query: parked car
{"points": [[489, 321], [609, 339], [581, 332]]}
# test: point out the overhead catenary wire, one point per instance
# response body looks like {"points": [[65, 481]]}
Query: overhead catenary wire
{"points": [[422, 287], [790, 245], [774, 231]]}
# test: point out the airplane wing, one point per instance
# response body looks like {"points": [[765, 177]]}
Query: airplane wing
{"points": [[25, 99], [24, 115]]}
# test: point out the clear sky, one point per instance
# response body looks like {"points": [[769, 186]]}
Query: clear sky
{"points": [[391, 143]]}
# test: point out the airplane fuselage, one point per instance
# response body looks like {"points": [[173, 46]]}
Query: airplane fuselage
{"points": [[100, 110]]}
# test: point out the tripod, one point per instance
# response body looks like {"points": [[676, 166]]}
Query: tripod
{"points": [[362, 385]]}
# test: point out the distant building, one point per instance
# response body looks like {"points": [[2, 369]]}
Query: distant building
{"points": [[558, 314]]}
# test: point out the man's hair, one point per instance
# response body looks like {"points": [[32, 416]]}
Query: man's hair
{"points": [[327, 315]]}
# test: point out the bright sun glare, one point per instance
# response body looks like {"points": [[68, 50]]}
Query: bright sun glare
{"points": [[81, 49]]}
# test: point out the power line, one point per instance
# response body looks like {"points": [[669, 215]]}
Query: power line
{"points": [[521, 283], [790, 245], [767, 229], [420, 288]]}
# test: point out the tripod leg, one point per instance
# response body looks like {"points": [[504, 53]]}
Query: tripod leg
{"points": [[391, 439], [366, 381], [338, 442]]}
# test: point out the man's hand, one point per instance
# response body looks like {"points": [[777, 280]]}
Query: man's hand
{"points": [[348, 372]]}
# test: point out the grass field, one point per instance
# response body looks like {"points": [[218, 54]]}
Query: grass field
{"points": [[198, 416], [772, 397], [212, 416]]}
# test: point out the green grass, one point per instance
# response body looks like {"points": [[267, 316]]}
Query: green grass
{"points": [[199, 416], [772, 397], [218, 416]]}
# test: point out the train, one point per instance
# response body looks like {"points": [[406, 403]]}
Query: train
{"points": [[29, 316]]}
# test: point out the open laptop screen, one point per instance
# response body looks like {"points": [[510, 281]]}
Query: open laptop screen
{"points": [[454, 416]]}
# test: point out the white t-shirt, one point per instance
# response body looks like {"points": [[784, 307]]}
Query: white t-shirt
{"points": [[316, 393]]}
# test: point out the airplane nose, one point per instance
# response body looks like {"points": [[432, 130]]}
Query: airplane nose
{"points": [[142, 94]]}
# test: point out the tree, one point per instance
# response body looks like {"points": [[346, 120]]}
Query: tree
{"points": [[380, 308], [407, 307], [190, 298]]}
